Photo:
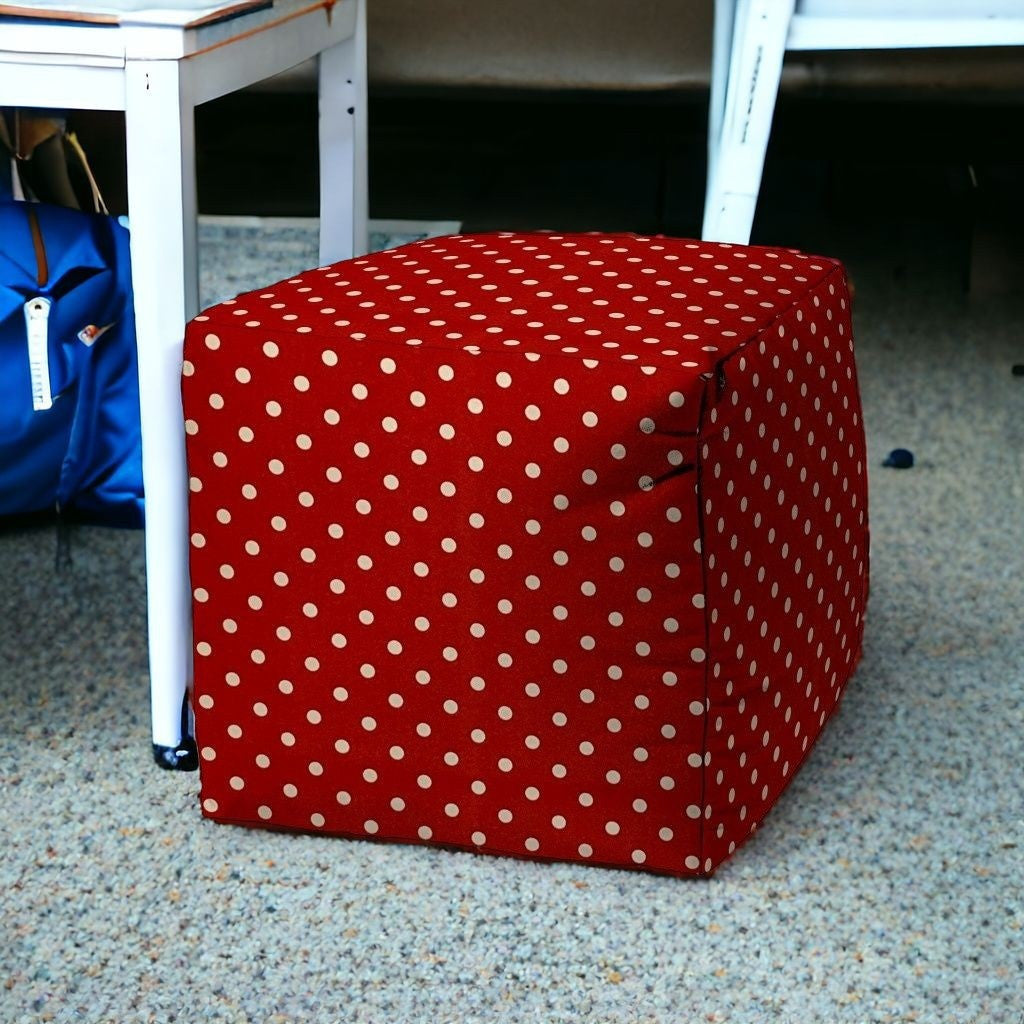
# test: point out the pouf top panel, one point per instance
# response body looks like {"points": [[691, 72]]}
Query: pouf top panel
{"points": [[657, 303]]}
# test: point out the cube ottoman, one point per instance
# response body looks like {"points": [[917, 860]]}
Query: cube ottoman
{"points": [[546, 545]]}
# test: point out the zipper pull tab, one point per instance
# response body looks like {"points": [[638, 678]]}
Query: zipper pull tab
{"points": [[37, 317], [62, 561]]}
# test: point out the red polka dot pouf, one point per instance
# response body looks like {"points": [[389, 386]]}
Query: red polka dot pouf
{"points": [[535, 544]]}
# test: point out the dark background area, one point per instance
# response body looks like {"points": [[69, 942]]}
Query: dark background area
{"points": [[842, 172]]}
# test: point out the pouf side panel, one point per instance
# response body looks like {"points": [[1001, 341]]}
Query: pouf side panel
{"points": [[641, 499], [783, 491]]}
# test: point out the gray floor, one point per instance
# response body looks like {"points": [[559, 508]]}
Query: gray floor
{"points": [[888, 885]]}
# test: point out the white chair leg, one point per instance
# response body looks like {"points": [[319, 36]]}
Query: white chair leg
{"points": [[159, 120], [721, 51], [343, 177], [758, 46]]}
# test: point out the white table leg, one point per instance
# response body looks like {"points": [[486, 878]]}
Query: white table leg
{"points": [[343, 179], [159, 121], [758, 46]]}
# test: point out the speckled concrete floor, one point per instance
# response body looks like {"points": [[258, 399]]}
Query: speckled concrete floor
{"points": [[888, 885]]}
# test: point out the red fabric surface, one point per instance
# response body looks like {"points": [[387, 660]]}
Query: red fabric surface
{"points": [[545, 545]]}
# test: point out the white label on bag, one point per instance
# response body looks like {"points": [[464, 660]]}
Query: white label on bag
{"points": [[37, 317]]}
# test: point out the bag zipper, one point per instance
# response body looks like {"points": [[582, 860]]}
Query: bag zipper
{"points": [[42, 265]]}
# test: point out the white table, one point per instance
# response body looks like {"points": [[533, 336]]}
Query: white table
{"points": [[750, 41], [157, 66]]}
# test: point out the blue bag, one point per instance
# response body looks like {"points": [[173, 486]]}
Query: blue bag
{"points": [[69, 392]]}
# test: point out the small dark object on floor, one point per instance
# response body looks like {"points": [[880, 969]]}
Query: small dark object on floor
{"points": [[1018, 370], [899, 458]]}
